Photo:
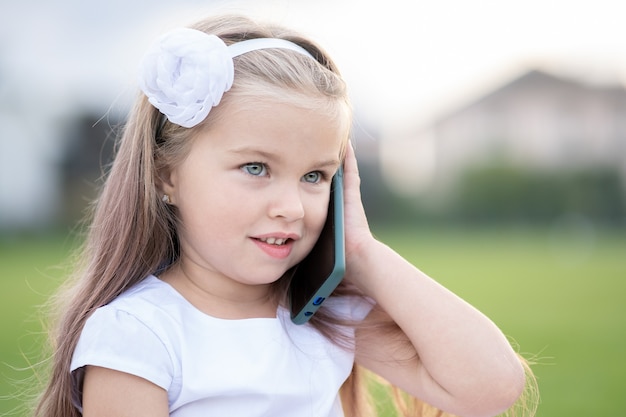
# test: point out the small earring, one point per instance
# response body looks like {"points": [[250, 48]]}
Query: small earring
{"points": [[166, 199]]}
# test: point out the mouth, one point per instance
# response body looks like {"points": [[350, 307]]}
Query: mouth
{"points": [[278, 241], [277, 247]]}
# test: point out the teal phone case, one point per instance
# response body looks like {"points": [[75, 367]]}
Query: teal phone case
{"points": [[317, 276]]}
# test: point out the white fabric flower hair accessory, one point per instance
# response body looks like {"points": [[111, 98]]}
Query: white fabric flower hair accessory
{"points": [[186, 72]]}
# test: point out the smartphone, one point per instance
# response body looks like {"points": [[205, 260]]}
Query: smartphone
{"points": [[316, 277]]}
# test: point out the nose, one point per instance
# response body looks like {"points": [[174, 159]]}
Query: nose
{"points": [[286, 203]]}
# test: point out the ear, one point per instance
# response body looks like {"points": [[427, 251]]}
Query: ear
{"points": [[165, 184]]}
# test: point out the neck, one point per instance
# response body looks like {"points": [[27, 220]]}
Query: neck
{"points": [[220, 296]]}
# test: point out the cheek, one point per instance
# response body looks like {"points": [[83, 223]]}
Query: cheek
{"points": [[221, 209], [317, 217], [205, 207]]}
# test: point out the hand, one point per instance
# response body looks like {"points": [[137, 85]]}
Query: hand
{"points": [[357, 231]]}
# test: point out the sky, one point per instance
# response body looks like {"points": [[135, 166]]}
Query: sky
{"points": [[406, 62]]}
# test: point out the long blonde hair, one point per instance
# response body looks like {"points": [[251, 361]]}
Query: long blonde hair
{"points": [[133, 234]]}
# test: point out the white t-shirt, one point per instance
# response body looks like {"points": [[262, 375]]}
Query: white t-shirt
{"points": [[216, 367]]}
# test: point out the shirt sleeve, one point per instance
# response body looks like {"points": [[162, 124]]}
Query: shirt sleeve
{"points": [[352, 308], [117, 340]]}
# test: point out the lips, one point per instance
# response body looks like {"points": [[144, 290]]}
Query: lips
{"points": [[276, 246]]}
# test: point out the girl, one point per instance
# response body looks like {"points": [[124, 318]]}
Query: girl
{"points": [[220, 186]]}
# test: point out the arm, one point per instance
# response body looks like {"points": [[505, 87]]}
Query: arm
{"points": [[443, 350], [109, 393]]}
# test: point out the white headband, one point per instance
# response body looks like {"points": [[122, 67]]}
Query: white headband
{"points": [[242, 47], [185, 72]]}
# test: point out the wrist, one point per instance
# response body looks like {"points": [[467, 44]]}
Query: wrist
{"points": [[361, 262]]}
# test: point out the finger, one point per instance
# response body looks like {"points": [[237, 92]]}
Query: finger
{"points": [[350, 163], [352, 181]]}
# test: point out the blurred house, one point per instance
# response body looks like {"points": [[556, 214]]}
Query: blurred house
{"points": [[538, 121], [28, 153]]}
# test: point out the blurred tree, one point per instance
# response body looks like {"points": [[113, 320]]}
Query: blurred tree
{"points": [[90, 143], [501, 192]]}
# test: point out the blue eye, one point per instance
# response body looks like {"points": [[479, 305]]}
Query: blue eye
{"points": [[257, 169], [313, 177]]}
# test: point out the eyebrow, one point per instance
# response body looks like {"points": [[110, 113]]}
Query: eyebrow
{"points": [[255, 151], [274, 157]]}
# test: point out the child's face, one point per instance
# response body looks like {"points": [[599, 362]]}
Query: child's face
{"points": [[253, 193]]}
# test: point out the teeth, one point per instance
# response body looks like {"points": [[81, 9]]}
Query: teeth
{"points": [[274, 241]]}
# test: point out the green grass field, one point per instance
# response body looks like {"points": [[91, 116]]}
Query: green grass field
{"points": [[558, 293]]}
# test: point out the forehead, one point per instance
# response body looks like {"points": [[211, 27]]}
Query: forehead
{"points": [[336, 109], [276, 126]]}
